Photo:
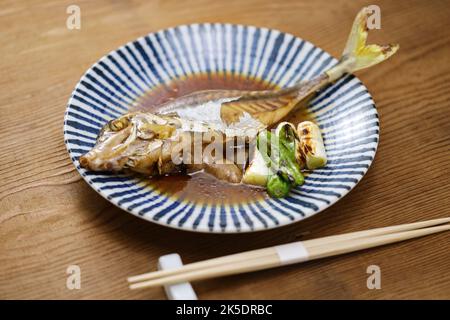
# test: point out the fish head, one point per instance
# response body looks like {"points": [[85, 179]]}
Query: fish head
{"points": [[133, 140]]}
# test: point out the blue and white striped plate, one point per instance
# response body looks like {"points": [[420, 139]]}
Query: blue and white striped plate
{"points": [[344, 111]]}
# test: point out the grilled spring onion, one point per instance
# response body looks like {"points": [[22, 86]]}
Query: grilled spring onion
{"points": [[279, 155], [311, 145]]}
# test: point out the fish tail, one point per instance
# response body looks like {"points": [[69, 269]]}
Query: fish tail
{"points": [[357, 54]]}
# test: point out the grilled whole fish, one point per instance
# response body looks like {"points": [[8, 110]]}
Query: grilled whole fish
{"points": [[153, 144]]}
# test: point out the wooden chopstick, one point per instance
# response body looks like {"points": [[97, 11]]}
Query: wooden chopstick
{"points": [[255, 254], [273, 260]]}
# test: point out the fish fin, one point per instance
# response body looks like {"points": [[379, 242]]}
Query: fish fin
{"points": [[357, 54]]}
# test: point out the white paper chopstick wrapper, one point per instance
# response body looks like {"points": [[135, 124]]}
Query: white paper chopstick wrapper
{"points": [[292, 253], [179, 291]]}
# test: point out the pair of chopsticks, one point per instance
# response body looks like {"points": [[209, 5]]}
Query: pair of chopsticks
{"points": [[289, 253]]}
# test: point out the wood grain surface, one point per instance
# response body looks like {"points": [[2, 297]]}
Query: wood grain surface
{"points": [[50, 218]]}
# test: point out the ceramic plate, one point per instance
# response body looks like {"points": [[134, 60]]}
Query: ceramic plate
{"points": [[344, 111]]}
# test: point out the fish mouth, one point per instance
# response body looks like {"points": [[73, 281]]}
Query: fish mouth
{"points": [[85, 160], [91, 161]]}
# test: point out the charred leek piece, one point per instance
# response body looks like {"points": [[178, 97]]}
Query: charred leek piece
{"points": [[257, 172], [311, 145]]}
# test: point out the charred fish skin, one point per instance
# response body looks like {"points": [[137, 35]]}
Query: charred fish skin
{"points": [[141, 141]]}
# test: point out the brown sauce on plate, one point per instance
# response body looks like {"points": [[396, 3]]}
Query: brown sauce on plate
{"points": [[201, 187]]}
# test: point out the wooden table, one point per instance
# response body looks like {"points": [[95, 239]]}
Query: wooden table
{"points": [[50, 218]]}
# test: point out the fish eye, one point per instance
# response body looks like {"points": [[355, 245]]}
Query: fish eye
{"points": [[118, 124]]}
